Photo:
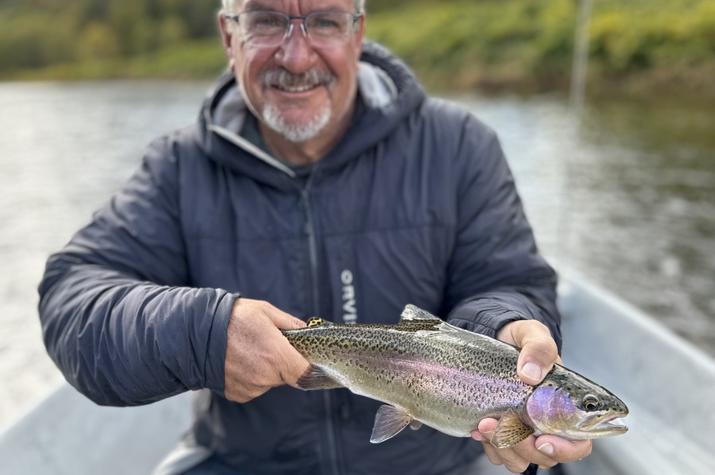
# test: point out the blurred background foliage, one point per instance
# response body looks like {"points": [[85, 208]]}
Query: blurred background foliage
{"points": [[638, 46]]}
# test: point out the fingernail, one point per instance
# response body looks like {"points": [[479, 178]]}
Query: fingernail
{"points": [[546, 449], [532, 371]]}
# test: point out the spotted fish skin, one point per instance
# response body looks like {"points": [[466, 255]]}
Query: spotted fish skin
{"points": [[423, 366], [431, 372]]}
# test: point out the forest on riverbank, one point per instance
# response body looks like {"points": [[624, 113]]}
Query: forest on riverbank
{"points": [[640, 46]]}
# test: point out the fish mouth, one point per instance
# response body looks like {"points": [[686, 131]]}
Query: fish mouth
{"points": [[607, 423]]}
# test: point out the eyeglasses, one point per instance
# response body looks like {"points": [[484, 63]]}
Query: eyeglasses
{"points": [[269, 28]]}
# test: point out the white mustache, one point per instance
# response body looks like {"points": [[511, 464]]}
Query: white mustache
{"points": [[284, 79]]}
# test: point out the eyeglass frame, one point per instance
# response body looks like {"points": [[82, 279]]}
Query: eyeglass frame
{"points": [[291, 19]]}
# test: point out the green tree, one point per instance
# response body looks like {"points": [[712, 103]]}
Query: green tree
{"points": [[98, 41]]}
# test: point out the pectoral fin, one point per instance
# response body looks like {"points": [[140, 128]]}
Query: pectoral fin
{"points": [[315, 378], [510, 431], [389, 421]]}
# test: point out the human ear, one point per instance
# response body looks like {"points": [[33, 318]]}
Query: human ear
{"points": [[225, 30]]}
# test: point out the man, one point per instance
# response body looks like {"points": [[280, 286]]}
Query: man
{"points": [[319, 181]]}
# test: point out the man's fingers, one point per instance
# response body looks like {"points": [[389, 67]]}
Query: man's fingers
{"points": [[294, 366], [538, 349], [492, 454], [514, 462], [563, 450], [511, 459], [527, 450], [517, 458]]}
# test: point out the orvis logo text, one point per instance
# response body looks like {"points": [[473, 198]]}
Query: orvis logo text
{"points": [[349, 303]]}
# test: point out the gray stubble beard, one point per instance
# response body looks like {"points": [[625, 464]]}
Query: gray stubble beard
{"points": [[296, 133], [273, 118]]}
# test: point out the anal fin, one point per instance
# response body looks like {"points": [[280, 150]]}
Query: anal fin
{"points": [[389, 421], [315, 378], [510, 431]]}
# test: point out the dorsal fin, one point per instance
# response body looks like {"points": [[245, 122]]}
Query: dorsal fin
{"points": [[313, 322], [412, 313]]}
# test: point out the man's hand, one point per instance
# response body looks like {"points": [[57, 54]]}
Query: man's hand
{"points": [[537, 357], [258, 356]]}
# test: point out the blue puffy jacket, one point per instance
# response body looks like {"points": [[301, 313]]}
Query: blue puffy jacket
{"points": [[416, 204]]}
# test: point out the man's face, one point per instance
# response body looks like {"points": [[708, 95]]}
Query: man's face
{"points": [[296, 88]]}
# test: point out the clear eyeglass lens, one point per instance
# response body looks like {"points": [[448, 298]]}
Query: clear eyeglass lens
{"points": [[328, 25], [269, 28], [264, 25]]}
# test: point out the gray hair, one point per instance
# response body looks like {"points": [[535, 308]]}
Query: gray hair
{"points": [[228, 5]]}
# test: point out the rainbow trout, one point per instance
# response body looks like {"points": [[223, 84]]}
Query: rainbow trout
{"points": [[430, 372]]}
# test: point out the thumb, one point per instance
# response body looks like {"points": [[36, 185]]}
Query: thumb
{"points": [[283, 320], [485, 429], [538, 350]]}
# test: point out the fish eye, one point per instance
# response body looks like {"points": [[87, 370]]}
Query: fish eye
{"points": [[590, 402]]}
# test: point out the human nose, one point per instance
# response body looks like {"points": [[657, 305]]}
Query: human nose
{"points": [[295, 53]]}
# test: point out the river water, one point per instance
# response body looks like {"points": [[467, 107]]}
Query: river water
{"points": [[625, 196]]}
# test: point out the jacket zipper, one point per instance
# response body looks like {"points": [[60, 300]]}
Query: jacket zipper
{"points": [[313, 252]]}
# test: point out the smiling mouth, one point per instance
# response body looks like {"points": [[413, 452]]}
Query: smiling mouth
{"points": [[295, 89], [282, 80]]}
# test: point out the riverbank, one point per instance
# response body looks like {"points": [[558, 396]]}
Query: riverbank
{"points": [[641, 47], [199, 59], [636, 49]]}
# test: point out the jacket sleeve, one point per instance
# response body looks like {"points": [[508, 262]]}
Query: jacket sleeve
{"points": [[496, 275], [117, 317]]}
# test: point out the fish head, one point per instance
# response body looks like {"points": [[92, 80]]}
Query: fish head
{"points": [[568, 405]]}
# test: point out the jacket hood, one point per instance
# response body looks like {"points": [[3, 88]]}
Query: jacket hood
{"points": [[387, 88]]}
